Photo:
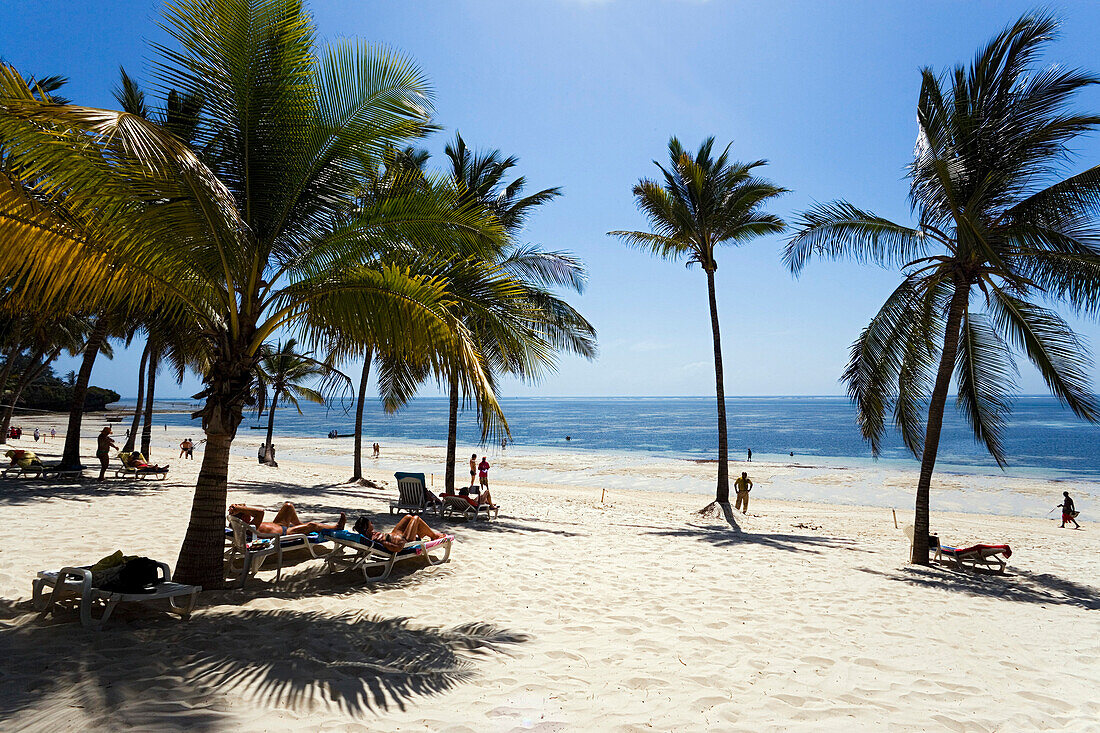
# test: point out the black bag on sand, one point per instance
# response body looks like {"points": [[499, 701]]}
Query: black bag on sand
{"points": [[136, 575]]}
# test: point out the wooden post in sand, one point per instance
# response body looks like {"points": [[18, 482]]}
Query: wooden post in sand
{"points": [[895, 512], [433, 484], [602, 492]]}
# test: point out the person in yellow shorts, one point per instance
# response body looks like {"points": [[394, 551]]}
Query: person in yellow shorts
{"points": [[743, 486]]}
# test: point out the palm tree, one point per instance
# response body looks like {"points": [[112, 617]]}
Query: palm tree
{"points": [[251, 229], [45, 336], [704, 202], [556, 326], [994, 214], [283, 373]]}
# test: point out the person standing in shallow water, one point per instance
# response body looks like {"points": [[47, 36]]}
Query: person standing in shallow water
{"points": [[1069, 513], [743, 486], [750, 455]]}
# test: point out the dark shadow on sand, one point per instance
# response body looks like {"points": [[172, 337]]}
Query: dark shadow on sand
{"points": [[153, 676], [26, 491], [1020, 586], [726, 537]]}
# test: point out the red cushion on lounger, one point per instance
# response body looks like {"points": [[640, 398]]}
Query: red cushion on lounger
{"points": [[1000, 549]]}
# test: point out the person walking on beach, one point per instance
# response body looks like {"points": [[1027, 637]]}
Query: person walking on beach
{"points": [[185, 447], [37, 435], [483, 473], [104, 444], [750, 455], [473, 470], [743, 486], [1069, 514]]}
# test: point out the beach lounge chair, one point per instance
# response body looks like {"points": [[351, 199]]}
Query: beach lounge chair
{"points": [[126, 470], [72, 581], [412, 494], [461, 505], [986, 556], [369, 556], [248, 548], [24, 464]]}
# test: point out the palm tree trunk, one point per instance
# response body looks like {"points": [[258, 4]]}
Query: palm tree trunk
{"points": [[271, 426], [200, 558], [228, 390], [722, 495], [70, 459], [357, 470], [452, 438], [132, 437], [150, 391], [5, 375], [30, 373], [935, 421]]}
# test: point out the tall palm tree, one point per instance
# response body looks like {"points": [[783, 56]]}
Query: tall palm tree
{"points": [[283, 373], [996, 215], [704, 202], [251, 229], [479, 179]]}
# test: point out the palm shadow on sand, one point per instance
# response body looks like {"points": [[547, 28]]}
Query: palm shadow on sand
{"points": [[732, 535], [1020, 586], [163, 674]]}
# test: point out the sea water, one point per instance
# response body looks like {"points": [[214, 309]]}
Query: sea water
{"points": [[1042, 439]]}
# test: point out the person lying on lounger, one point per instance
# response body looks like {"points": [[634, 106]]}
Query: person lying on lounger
{"points": [[284, 522], [409, 529], [138, 462]]}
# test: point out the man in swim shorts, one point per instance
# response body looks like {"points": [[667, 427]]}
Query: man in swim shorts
{"points": [[743, 486]]}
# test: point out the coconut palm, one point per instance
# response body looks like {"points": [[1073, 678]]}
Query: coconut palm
{"points": [[251, 229], [283, 373], [479, 179], [704, 202], [44, 336], [998, 220]]}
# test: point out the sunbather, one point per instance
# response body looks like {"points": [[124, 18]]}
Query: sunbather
{"points": [[23, 458], [284, 522], [409, 529], [138, 462]]}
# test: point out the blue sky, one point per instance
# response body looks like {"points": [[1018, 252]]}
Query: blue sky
{"points": [[587, 93]]}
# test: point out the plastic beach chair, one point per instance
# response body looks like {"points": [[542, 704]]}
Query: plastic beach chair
{"points": [[412, 494], [369, 556], [248, 548], [70, 581], [24, 464], [126, 470], [986, 556], [463, 506]]}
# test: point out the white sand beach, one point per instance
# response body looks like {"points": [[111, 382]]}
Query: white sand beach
{"points": [[586, 606]]}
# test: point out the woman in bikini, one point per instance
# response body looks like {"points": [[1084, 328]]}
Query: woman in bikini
{"points": [[284, 522], [409, 529]]}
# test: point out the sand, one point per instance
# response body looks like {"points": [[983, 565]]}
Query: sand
{"points": [[581, 608]]}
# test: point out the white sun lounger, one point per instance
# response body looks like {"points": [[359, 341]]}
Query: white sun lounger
{"points": [[412, 494], [369, 556], [460, 505], [248, 549], [71, 581]]}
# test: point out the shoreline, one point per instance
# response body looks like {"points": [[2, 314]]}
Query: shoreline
{"points": [[828, 481], [583, 607]]}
